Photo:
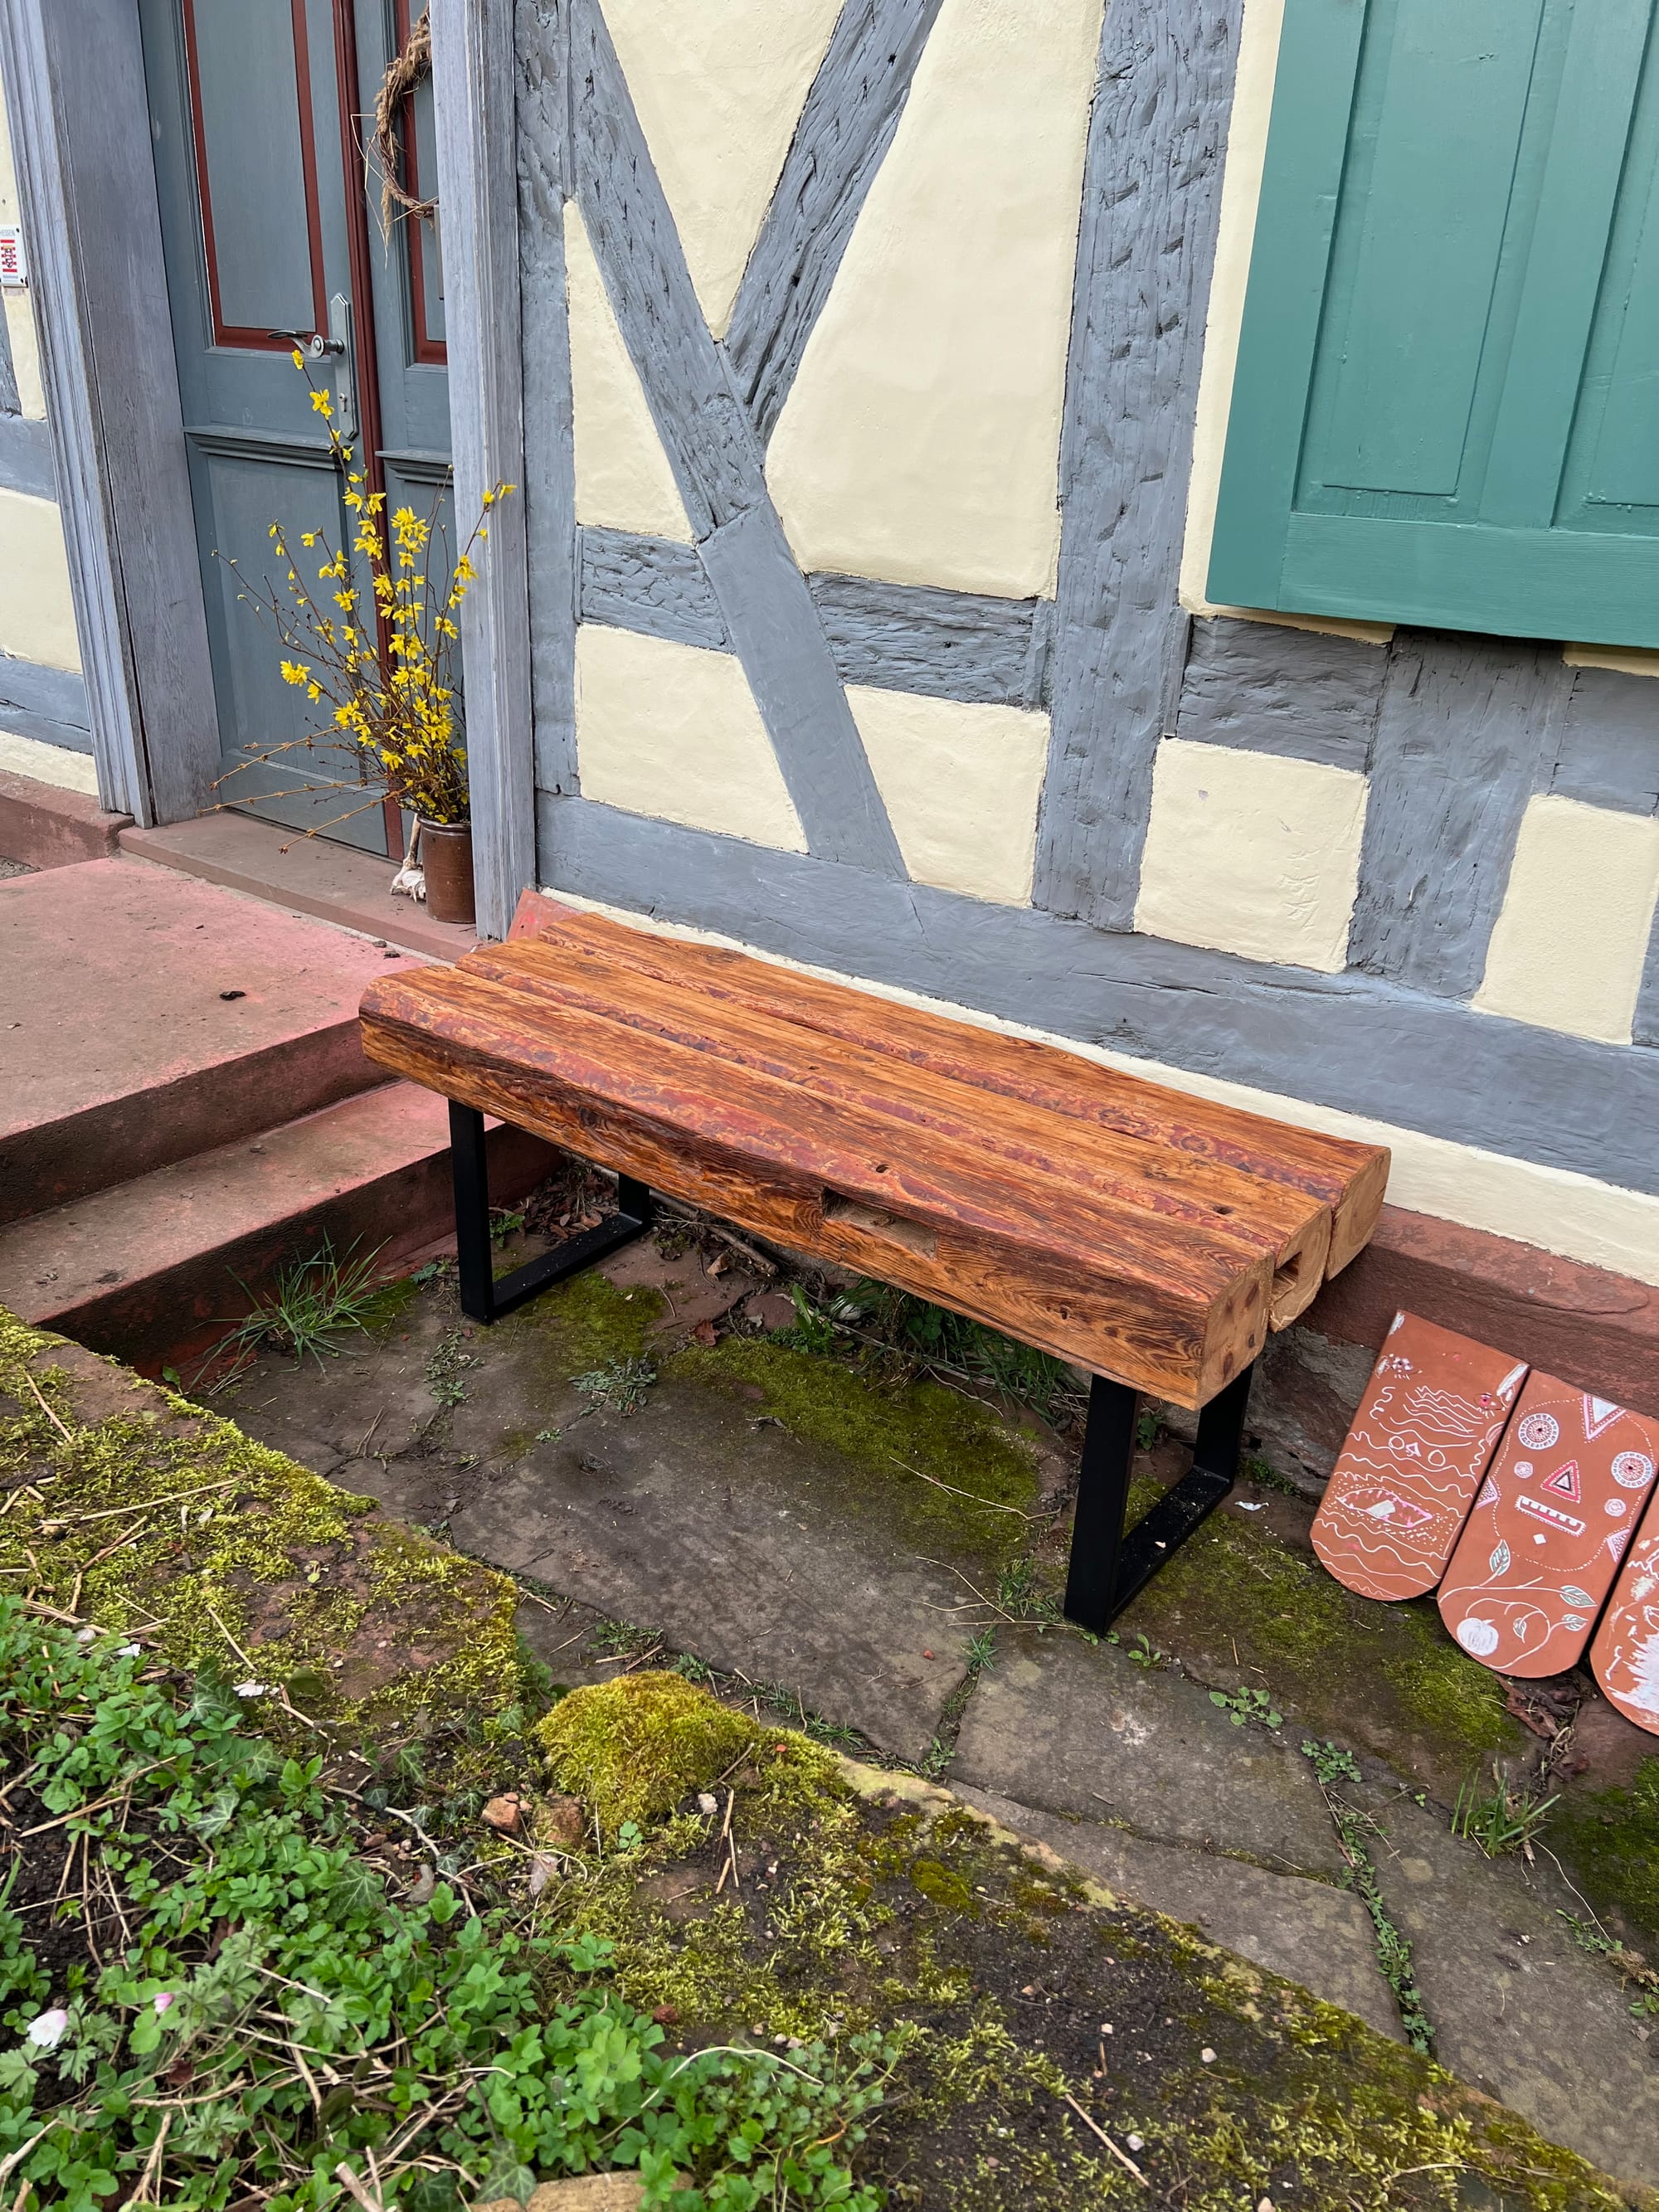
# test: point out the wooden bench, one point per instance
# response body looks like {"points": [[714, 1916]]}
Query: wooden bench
{"points": [[1145, 1234]]}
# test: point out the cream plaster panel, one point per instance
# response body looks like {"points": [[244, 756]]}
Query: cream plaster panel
{"points": [[1568, 947], [36, 614], [718, 86], [922, 440], [961, 785], [1598, 1223], [1626, 660], [20, 305], [54, 764], [673, 731], [1251, 854], [1241, 194], [623, 477]]}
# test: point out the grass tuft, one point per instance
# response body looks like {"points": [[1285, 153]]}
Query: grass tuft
{"points": [[310, 1304]]}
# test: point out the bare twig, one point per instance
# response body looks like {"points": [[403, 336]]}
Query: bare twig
{"points": [[152, 2164], [989, 1504], [348, 2181], [45, 1408], [1122, 2156]]}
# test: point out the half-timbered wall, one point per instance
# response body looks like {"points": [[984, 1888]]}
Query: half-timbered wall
{"points": [[875, 365], [42, 697]]}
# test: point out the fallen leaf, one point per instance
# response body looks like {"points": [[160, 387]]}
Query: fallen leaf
{"points": [[704, 1333]]}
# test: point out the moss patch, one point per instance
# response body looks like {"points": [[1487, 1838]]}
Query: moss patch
{"points": [[910, 1442], [867, 1900], [1608, 1839], [133, 1508], [586, 1322], [1386, 1679], [635, 1747]]}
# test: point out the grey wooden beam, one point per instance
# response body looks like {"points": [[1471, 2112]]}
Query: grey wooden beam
{"points": [[74, 80], [951, 645], [1266, 688], [473, 85], [1348, 1041], [57, 696], [1466, 732], [898, 637], [717, 464], [1608, 744], [651, 585], [25, 462], [1145, 255], [846, 126], [549, 462]]}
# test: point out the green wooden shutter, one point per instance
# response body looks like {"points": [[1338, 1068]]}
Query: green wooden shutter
{"points": [[1446, 407]]}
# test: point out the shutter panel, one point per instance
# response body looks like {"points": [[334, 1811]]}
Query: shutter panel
{"points": [[1446, 407]]}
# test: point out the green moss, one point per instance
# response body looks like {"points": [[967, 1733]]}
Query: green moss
{"points": [[632, 1748], [1239, 1603], [941, 1885], [164, 1521], [923, 1446], [585, 1322], [1609, 1839]]}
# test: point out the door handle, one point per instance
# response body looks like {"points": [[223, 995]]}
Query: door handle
{"points": [[312, 344], [338, 348]]}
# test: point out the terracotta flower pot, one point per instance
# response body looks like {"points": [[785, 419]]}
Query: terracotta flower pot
{"points": [[446, 856]]}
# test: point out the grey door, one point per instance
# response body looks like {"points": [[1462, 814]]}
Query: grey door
{"points": [[258, 112]]}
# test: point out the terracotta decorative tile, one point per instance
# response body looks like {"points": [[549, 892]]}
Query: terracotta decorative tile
{"points": [[1418, 1445], [1625, 1656], [1552, 1523]]}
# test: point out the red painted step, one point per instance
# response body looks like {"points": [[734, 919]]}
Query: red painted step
{"points": [[148, 1018], [148, 1268]]}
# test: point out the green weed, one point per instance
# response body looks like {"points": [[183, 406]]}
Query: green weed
{"points": [[619, 1386], [1501, 1819], [311, 1302], [1241, 1706], [466, 2052]]}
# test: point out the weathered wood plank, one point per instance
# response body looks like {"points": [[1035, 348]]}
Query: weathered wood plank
{"points": [[651, 585], [1048, 1150], [1267, 688], [1465, 735], [899, 637], [846, 126], [1347, 1177], [1172, 1312], [1150, 198]]}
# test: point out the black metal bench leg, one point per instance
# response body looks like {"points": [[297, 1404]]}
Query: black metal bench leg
{"points": [[482, 1297], [1109, 1564]]}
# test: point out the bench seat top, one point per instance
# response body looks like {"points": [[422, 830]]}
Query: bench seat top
{"points": [[1140, 1232]]}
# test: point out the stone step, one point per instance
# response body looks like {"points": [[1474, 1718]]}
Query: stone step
{"points": [[148, 1017], [153, 1269]]}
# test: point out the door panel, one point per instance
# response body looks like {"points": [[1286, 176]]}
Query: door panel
{"points": [[256, 108]]}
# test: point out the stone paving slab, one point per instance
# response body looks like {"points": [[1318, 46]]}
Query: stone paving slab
{"points": [[1067, 1727], [687, 1518], [1307, 1931], [1517, 2009]]}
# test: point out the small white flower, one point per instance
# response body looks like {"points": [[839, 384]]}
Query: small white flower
{"points": [[128, 1651], [162, 2001], [251, 1689], [85, 1635], [47, 2032]]}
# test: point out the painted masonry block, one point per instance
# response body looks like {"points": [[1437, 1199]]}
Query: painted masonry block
{"points": [[1433, 1412], [1554, 1518]]}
